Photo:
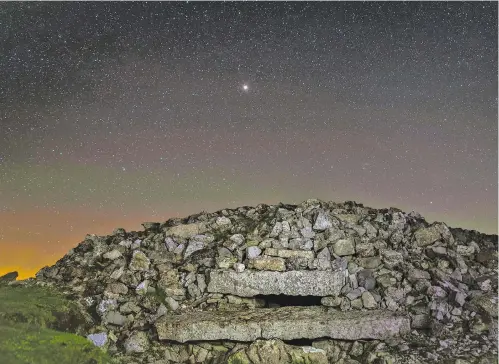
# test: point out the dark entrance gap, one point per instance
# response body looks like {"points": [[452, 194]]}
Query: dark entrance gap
{"points": [[300, 342], [283, 300]]}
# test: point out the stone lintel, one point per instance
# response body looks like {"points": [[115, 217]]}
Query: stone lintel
{"points": [[285, 323], [292, 283]]}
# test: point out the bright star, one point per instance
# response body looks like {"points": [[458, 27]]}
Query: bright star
{"points": [[245, 87]]}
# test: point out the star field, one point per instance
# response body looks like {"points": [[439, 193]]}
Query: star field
{"points": [[112, 114]]}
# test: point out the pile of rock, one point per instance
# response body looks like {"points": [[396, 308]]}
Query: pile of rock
{"points": [[352, 284]]}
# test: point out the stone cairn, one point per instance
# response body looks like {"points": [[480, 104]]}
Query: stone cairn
{"points": [[318, 282]]}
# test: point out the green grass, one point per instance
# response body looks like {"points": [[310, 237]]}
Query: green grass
{"points": [[38, 326], [22, 343]]}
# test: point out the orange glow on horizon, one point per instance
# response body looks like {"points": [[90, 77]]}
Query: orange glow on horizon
{"points": [[27, 253]]}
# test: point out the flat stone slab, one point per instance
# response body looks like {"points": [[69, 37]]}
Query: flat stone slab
{"points": [[285, 323], [292, 283]]}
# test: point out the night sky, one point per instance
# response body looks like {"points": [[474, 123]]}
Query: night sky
{"points": [[112, 114]]}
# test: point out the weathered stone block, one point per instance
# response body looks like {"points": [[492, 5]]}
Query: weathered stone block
{"points": [[287, 253], [267, 263], [285, 323], [293, 283]]}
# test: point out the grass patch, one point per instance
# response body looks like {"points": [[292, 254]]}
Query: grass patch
{"points": [[37, 326], [22, 343], [40, 306]]}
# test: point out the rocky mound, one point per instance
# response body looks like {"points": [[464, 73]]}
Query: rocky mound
{"points": [[311, 283]]}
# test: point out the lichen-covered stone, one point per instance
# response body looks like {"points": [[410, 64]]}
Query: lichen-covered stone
{"points": [[139, 262], [344, 247], [277, 352], [112, 255], [252, 252], [193, 247], [287, 253], [138, 342], [186, 230], [267, 263], [322, 221], [293, 283], [287, 323], [426, 236]]}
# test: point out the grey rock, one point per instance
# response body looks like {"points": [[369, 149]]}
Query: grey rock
{"points": [[415, 274], [368, 300], [331, 301], [170, 244], [339, 264], [436, 291], [222, 220], [267, 263], [398, 221], [392, 258], [356, 304], [365, 250], [179, 249], [357, 349], [239, 267], [293, 283], [287, 323], [129, 307], [354, 294], [386, 280], [117, 273], [365, 278], [171, 303], [98, 339], [117, 288], [353, 280], [142, 287], [426, 236], [186, 230], [161, 311], [465, 250], [136, 244], [275, 351], [193, 247], [369, 262], [323, 260], [193, 290], [300, 244], [115, 318], [307, 232], [288, 253], [201, 282], [322, 221], [345, 304], [276, 230], [238, 239], [112, 255], [344, 247], [397, 237], [252, 252], [224, 252], [106, 305], [139, 261], [300, 263], [138, 342]]}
